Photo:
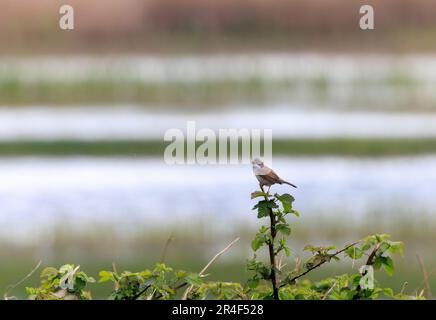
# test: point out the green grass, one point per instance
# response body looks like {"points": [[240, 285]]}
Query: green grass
{"points": [[130, 91], [254, 90], [304, 147]]}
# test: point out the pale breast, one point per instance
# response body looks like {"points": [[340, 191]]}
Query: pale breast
{"points": [[262, 171]]}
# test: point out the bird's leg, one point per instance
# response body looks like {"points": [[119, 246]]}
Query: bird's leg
{"points": [[268, 190], [261, 187]]}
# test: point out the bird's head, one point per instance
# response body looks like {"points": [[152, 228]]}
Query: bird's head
{"points": [[257, 163]]}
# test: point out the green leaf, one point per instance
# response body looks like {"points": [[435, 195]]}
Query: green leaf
{"points": [[388, 265], [310, 247], [253, 283], [354, 253], [256, 244], [79, 283], [283, 228], [66, 268], [259, 240], [388, 292], [48, 272], [383, 247], [286, 200], [105, 276], [145, 273], [193, 279], [397, 247], [263, 208], [287, 251], [378, 262], [258, 194], [366, 246]]}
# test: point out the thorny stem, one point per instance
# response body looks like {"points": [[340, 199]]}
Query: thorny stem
{"points": [[272, 253], [371, 257], [318, 264]]}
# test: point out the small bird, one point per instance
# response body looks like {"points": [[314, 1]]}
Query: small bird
{"points": [[266, 176]]}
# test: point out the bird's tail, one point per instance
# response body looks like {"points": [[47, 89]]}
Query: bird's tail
{"points": [[286, 182]]}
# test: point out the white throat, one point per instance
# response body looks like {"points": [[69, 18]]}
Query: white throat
{"points": [[256, 167]]}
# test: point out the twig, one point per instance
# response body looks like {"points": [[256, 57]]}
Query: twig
{"points": [[280, 264], [68, 277], [425, 275], [13, 286], [272, 256], [165, 249], [430, 274], [370, 260], [179, 286], [403, 287], [189, 289], [136, 296], [162, 259], [318, 264], [114, 270], [330, 290]]}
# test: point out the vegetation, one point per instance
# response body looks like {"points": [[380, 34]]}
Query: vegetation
{"points": [[113, 87], [268, 280], [370, 147]]}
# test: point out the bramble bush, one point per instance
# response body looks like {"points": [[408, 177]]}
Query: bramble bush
{"points": [[268, 279]]}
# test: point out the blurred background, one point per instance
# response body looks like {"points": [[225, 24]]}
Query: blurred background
{"points": [[83, 113]]}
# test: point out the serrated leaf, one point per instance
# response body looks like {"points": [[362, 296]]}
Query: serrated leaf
{"points": [[354, 253], [48, 272], [283, 228], [286, 201], [287, 251], [105, 276], [259, 241], [193, 279], [388, 292], [146, 273], [308, 247], [397, 247], [258, 194], [264, 207], [388, 266], [253, 283], [66, 268]]}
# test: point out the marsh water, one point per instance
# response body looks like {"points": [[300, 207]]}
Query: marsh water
{"points": [[299, 96], [38, 194]]}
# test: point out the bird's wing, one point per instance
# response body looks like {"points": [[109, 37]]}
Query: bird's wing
{"points": [[273, 175], [268, 174]]}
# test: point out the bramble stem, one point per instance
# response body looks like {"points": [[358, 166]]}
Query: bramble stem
{"points": [[318, 264], [272, 254]]}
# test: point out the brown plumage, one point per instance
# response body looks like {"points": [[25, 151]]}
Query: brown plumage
{"points": [[266, 176]]}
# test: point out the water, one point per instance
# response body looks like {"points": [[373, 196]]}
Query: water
{"points": [[39, 194], [372, 82], [335, 68], [131, 122]]}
